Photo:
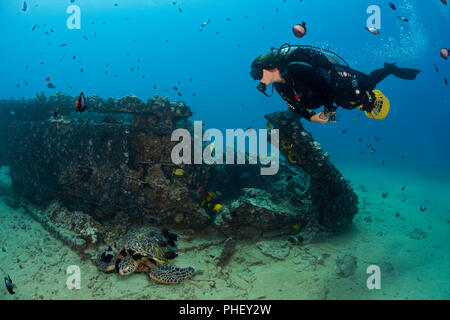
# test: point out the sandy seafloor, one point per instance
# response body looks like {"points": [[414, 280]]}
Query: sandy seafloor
{"points": [[418, 268]]}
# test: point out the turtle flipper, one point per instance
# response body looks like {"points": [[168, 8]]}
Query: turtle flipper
{"points": [[105, 261], [170, 274]]}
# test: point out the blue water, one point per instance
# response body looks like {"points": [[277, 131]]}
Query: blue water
{"points": [[171, 49]]}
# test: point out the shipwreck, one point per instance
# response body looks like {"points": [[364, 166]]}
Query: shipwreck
{"points": [[88, 178]]}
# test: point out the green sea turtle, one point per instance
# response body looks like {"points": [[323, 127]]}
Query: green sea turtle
{"points": [[144, 250]]}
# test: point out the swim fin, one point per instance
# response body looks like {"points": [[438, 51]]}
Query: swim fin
{"points": [[402, 73]]}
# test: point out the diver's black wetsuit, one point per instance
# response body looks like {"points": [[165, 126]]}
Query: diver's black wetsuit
{"points": [[314, 79]]}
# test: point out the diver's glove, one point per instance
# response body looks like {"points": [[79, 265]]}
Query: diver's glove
{"points": [[368, 101]]}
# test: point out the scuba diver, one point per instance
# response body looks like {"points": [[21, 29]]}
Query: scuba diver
{"points": [[308, 77]]}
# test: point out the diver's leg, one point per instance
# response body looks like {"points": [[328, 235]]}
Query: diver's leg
{"points": [[379, 75]]}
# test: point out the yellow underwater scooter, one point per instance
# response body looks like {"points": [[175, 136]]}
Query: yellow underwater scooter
{"points": [[381, 106]]}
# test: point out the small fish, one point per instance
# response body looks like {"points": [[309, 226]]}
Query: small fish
{"points": [[47, 79], [178, 172], [444, 53], [204, 24], [292, 158], [9, 285], [344, 131], [25, 6], [436, 68], [392, 6], [445, 81], [80, 103], [51, 86], [299, 30], [34, 27], [377, 138], [211, 195], [403, 19], [286, 145], [199, 189], [63, 45], [296, 227], [373, 30], [217, 207], [384, 195]]}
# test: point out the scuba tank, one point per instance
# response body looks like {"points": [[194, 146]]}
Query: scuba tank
{"points": [[334, 58]]}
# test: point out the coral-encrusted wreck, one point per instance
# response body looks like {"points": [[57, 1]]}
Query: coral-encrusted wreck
{"points": [[112, 168]]}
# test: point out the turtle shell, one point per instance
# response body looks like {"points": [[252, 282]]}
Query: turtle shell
{"points": [[149, 243]]}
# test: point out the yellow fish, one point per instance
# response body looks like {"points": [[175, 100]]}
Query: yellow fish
{"points": [[296, 227], [217, 207], [291, 158], [178, 172], [211, 149], [286, 145]]}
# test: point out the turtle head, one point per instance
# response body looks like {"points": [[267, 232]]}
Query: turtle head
{"points": [[127, 266]]}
